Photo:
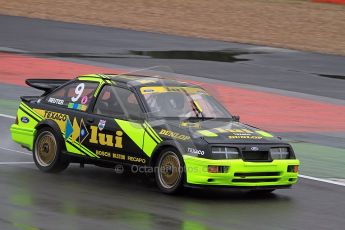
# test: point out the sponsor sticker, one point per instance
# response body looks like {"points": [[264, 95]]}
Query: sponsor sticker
{"points": [[68, 129], [190, 124], [245, 137], [77, 106], [195, 151], [55, 116], [56, 101], [114, 155], [101, 124], [111, 140], [83, 131], [237, 131], [84, 100], [136, 159], [59, 118]]}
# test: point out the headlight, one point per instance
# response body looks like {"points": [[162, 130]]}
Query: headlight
{"points": [[280, 153], [225, 153]]}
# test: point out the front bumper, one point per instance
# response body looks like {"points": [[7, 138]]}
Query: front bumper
{"points": [[240, 173]]}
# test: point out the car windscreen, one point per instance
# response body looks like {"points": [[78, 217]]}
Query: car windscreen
{"points": [[182, 102]]}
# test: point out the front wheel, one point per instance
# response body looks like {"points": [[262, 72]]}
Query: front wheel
{"points": [[47, 152], [169, 171]]}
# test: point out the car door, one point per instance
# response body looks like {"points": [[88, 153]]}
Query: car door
{"points": [[116, 130]]}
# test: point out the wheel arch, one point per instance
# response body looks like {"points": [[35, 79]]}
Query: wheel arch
{"points": [[53, 125], [164, 145]]}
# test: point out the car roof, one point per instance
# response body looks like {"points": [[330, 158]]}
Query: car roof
{"points": [[132, 80]]}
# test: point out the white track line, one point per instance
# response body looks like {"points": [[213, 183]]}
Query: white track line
{"points": [[12, 150], [16, 163], [302, 176], [322, 180], [7, 116], [16, 151]]}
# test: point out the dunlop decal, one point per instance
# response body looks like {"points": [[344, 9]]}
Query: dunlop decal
{"points": [[174, 135]]}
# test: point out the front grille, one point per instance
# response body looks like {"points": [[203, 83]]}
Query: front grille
{"points": [[256, 180], [254, 156], [257, 174]]}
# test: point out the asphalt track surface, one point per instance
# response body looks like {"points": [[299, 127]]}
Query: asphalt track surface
{"points": [[93, 197], [97, 198]]}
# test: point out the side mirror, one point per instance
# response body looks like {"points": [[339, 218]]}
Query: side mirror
{"points": [[236, 118]]}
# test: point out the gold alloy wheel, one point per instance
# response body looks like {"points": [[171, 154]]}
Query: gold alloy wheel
{"points": [[169, 170], [45, 148]]}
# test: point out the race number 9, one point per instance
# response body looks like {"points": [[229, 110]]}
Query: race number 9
{"points": [[78, 91]]}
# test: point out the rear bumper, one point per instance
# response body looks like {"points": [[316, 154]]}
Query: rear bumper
{"points": [[23, 136], [240, 174]]}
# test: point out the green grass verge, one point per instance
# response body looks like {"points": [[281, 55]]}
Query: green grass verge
{"points": [[320, 161], [9, 107]]}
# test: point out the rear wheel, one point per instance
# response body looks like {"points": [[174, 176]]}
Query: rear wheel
{"points": [[47, 151], [169, 171]]}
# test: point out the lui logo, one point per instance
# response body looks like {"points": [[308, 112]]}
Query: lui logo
{"points": [[106, 139]]}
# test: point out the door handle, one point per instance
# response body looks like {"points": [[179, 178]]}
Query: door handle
{"points": [[90, 120]]}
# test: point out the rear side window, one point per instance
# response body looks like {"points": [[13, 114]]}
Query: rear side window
{"points": [[117, 102], [77, 95]]}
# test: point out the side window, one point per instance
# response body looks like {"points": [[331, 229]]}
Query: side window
{"points": [[117, 102], [76, 95]]}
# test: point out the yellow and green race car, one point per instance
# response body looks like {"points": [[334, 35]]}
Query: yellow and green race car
{"points": [[173, 129]]}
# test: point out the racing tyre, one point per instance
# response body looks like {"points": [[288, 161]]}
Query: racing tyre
{"points": [[169, 173], [47, 151]]}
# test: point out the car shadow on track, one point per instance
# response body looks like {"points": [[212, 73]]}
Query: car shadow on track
{"points": [[129, 182]]}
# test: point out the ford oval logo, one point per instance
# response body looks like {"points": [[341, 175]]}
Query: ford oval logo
{"points": [[254, 148], [25, 120]]}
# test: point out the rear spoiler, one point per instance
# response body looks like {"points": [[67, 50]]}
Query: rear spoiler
{"points": [[46, 85]]}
